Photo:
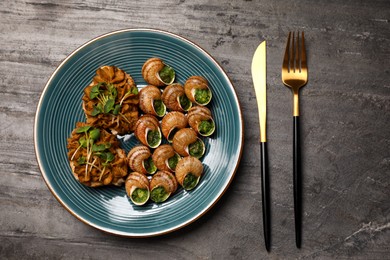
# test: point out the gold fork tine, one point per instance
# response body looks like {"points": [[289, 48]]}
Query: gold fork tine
{"points": [[287, 52], [303, 53]]}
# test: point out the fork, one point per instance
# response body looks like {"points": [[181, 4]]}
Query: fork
{"points": [[294, 75]]}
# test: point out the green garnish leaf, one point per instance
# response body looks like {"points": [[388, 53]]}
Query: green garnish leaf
{"points": [[167, 74], [112, 91], [99, 147], [134, 90], [95, 91], [109, 105], [83, 142], [81, 160], [83, 129], [117, 109], [94, 134], [97, 110]]}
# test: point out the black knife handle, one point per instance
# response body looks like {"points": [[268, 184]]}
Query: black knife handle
{"points": [[297, 185], [265, 196]]}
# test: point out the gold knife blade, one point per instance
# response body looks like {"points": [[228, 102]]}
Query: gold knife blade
{"points": [[259, 76]]}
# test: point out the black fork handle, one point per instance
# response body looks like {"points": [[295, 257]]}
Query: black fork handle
{"points": [[265, 196], [297, 183]]}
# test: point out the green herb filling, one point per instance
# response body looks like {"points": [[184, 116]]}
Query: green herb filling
{"points": [[206, 127], [159, 194], [154, 138], [140, 195], [202, 96], [185, 103], [196, 149], [167, 74], [172, 162], [149, 166], [190, 181], [159, 107]]}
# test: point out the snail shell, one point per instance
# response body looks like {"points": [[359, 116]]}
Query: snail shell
{"points": [[172, 122], [140, 160], [162, 155], [162, 185], [186, 142], [194, 84], [201, 115], [146, 127], [149, 99], [175, 98], [188, 172], [137, 188], [150, 72]]}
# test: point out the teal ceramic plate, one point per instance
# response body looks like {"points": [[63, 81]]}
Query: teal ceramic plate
{"points": [[59, 108]]}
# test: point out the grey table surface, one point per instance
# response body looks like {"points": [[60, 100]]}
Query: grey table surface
{"points": [[345, 120]]}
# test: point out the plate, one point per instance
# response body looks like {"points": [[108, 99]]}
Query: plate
{"points": [[59, 108]]}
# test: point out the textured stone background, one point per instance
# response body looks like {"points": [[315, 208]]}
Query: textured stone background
{"points": [[345, 117]]}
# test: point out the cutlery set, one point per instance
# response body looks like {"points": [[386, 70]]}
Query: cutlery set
{"points": [[294, 76]]}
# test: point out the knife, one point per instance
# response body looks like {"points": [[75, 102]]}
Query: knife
{"points": [[259, 76]]}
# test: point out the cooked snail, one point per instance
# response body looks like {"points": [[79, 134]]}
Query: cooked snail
{"points": [[186, 142], [137, 188], [197, 90], [175, 98], [147, 131], [95, 157], [150, 101], [140, 160], [171, 123], [188, 172], [200, 119], [165, 158], [157, 73], [162, 185]]}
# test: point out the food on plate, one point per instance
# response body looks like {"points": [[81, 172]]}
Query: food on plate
{"points": [[175, 98], [150, 101], [162, 185], [197, 90], [186, 142], [111, 101], [165, 158], [95, 156], [171, 123], [201, 120], [157, 73], [111, 104], [188, 172], [147, 131], [137, 188], [140, 160]]}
